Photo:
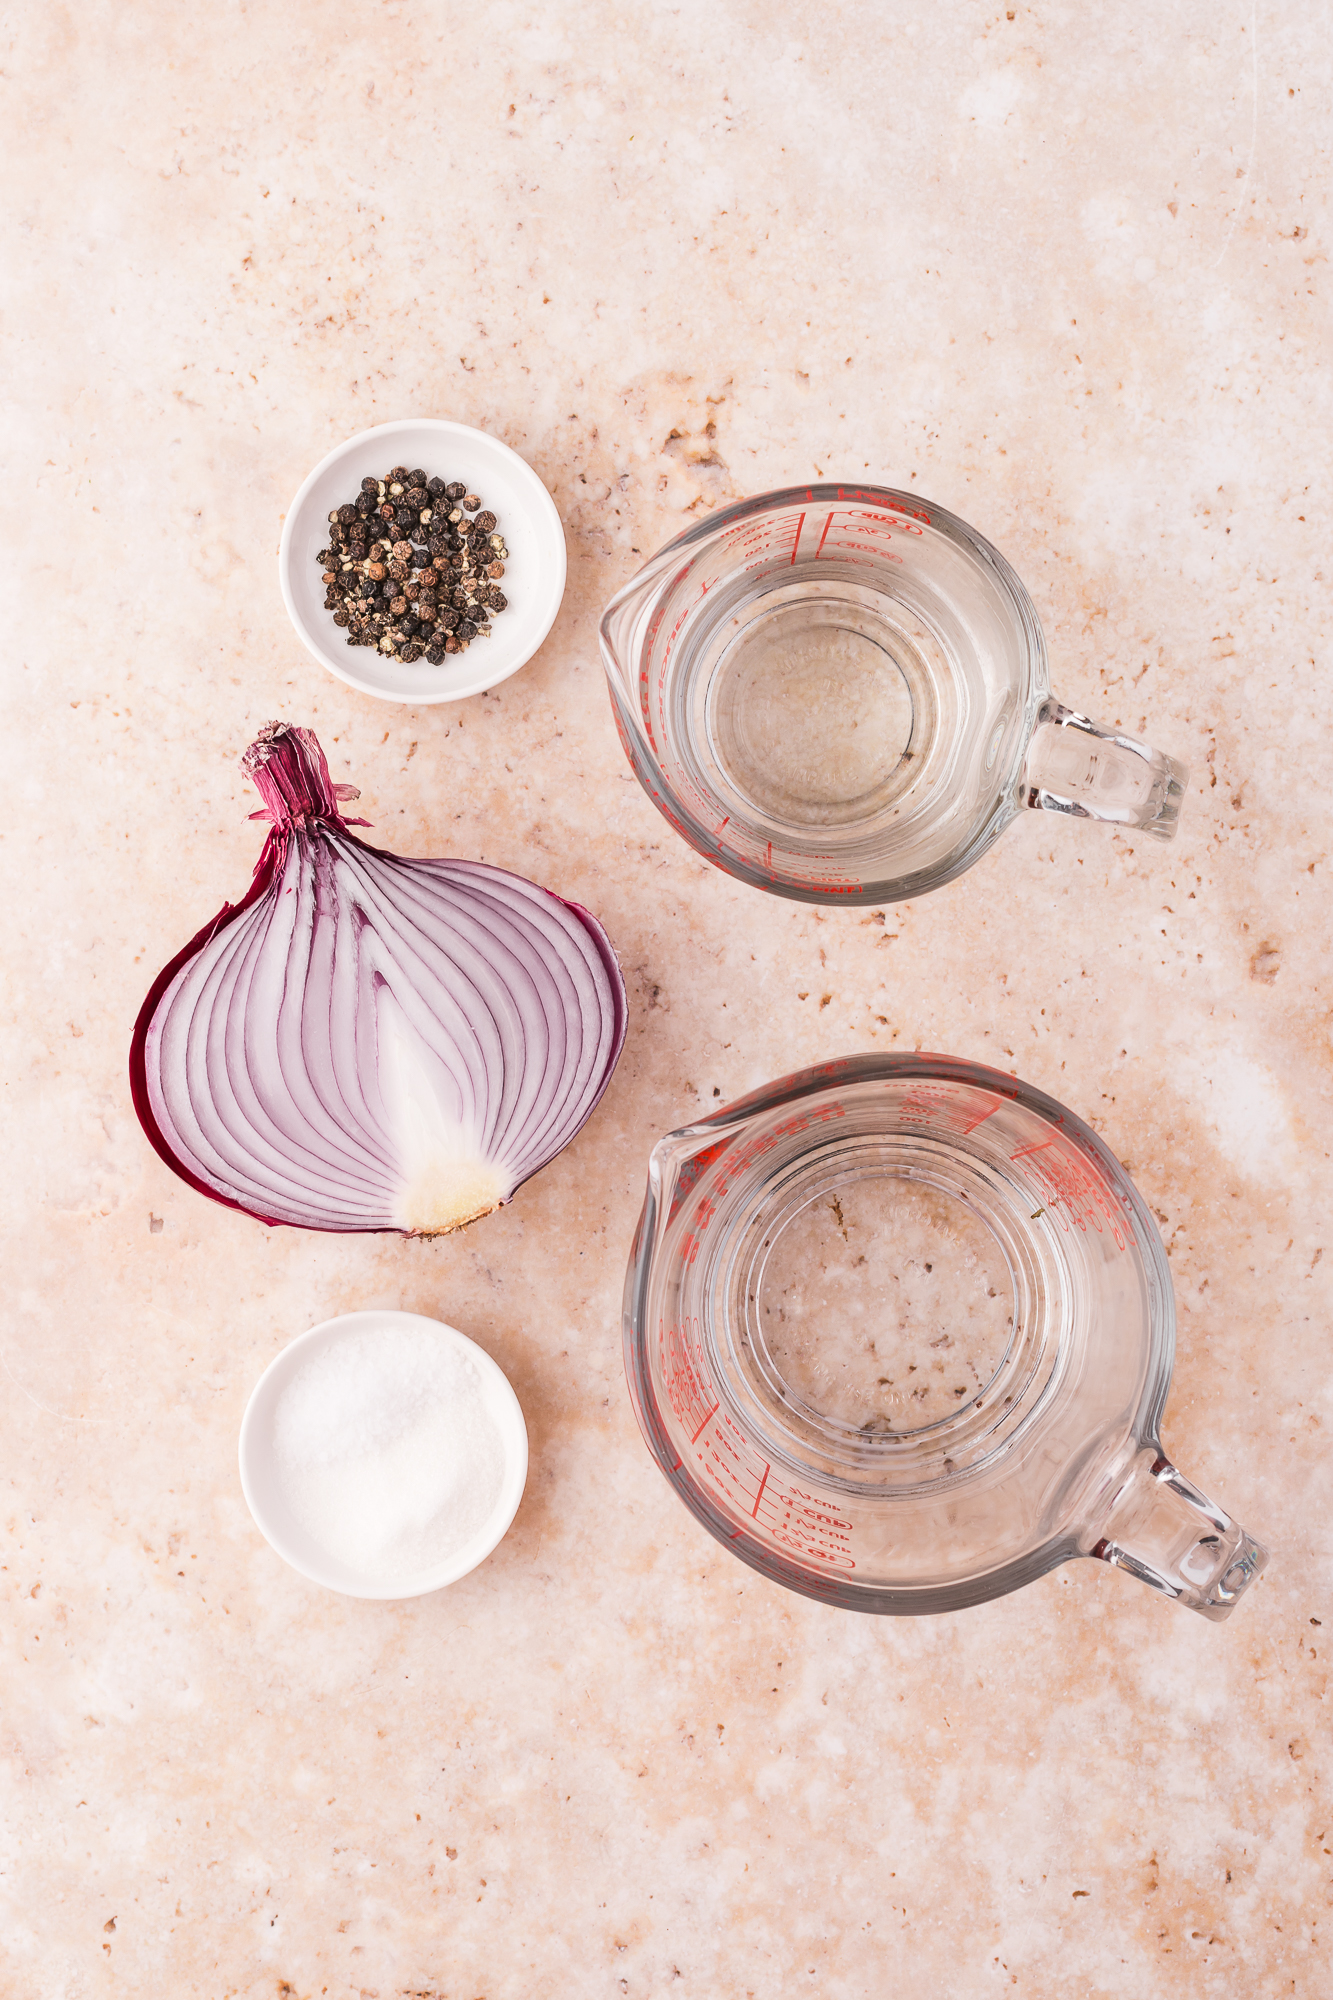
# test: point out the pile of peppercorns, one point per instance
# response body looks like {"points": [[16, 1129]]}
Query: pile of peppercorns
{"points": [[414, 566]]}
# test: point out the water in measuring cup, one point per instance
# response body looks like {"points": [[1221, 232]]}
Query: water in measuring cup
{"points": [[823, 702], [812, 712], [884, 1305]]}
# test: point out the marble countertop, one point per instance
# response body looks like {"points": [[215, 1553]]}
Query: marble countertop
{"points": [[1067, 277]]}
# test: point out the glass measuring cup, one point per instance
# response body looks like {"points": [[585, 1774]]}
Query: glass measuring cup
{"points": [[840, 694], [899, 1331]]}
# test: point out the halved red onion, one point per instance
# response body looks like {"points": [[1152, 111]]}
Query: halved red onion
{"points": [[367, 1042]]}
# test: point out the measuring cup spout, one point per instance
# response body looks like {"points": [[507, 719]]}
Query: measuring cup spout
{"points": [[622, 626], [1157, 1525], [1074, 766]]}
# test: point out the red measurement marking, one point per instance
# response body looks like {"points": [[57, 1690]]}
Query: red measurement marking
{"points": [[1077, 1197], [859, 549], [867, 530], [980, 1120], [1026, 1152], [754, 1511], [685, 1377], [704, 1425], [882, 500], [796, 538]]}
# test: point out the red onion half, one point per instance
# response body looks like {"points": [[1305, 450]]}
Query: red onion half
{"points": [[367, 1042]]}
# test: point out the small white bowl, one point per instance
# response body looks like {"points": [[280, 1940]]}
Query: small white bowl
{"points": [[534, 570], [262, 1484]]}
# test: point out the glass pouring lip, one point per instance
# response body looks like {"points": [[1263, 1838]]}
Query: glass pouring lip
{"points": [[913, 505], [926, 1066]]}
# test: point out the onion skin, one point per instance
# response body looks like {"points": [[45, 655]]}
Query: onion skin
{"points": [[474, 985]]}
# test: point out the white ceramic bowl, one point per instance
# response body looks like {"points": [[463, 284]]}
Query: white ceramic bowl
{"points": [[534, 570], [262, 1483]]}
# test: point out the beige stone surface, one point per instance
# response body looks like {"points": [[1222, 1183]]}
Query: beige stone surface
{"points": [[1062, 270]]}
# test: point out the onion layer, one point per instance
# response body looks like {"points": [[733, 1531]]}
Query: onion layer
{"points": [[368, 1042]]}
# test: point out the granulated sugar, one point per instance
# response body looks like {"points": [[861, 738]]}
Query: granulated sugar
{"points": [[386, 1453]]}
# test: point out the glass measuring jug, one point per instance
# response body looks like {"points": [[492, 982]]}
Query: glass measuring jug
{"points": [[899, 1331], [841, 694]]}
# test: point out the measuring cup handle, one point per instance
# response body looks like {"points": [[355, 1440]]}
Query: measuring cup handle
{"points": [[1073, 766], [1160, 1528]]}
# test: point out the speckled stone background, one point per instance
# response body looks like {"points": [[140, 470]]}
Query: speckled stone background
{"points": [[1065, 272]]}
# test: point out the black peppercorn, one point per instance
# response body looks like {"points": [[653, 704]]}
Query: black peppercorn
{"points": [[401, 577]]}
